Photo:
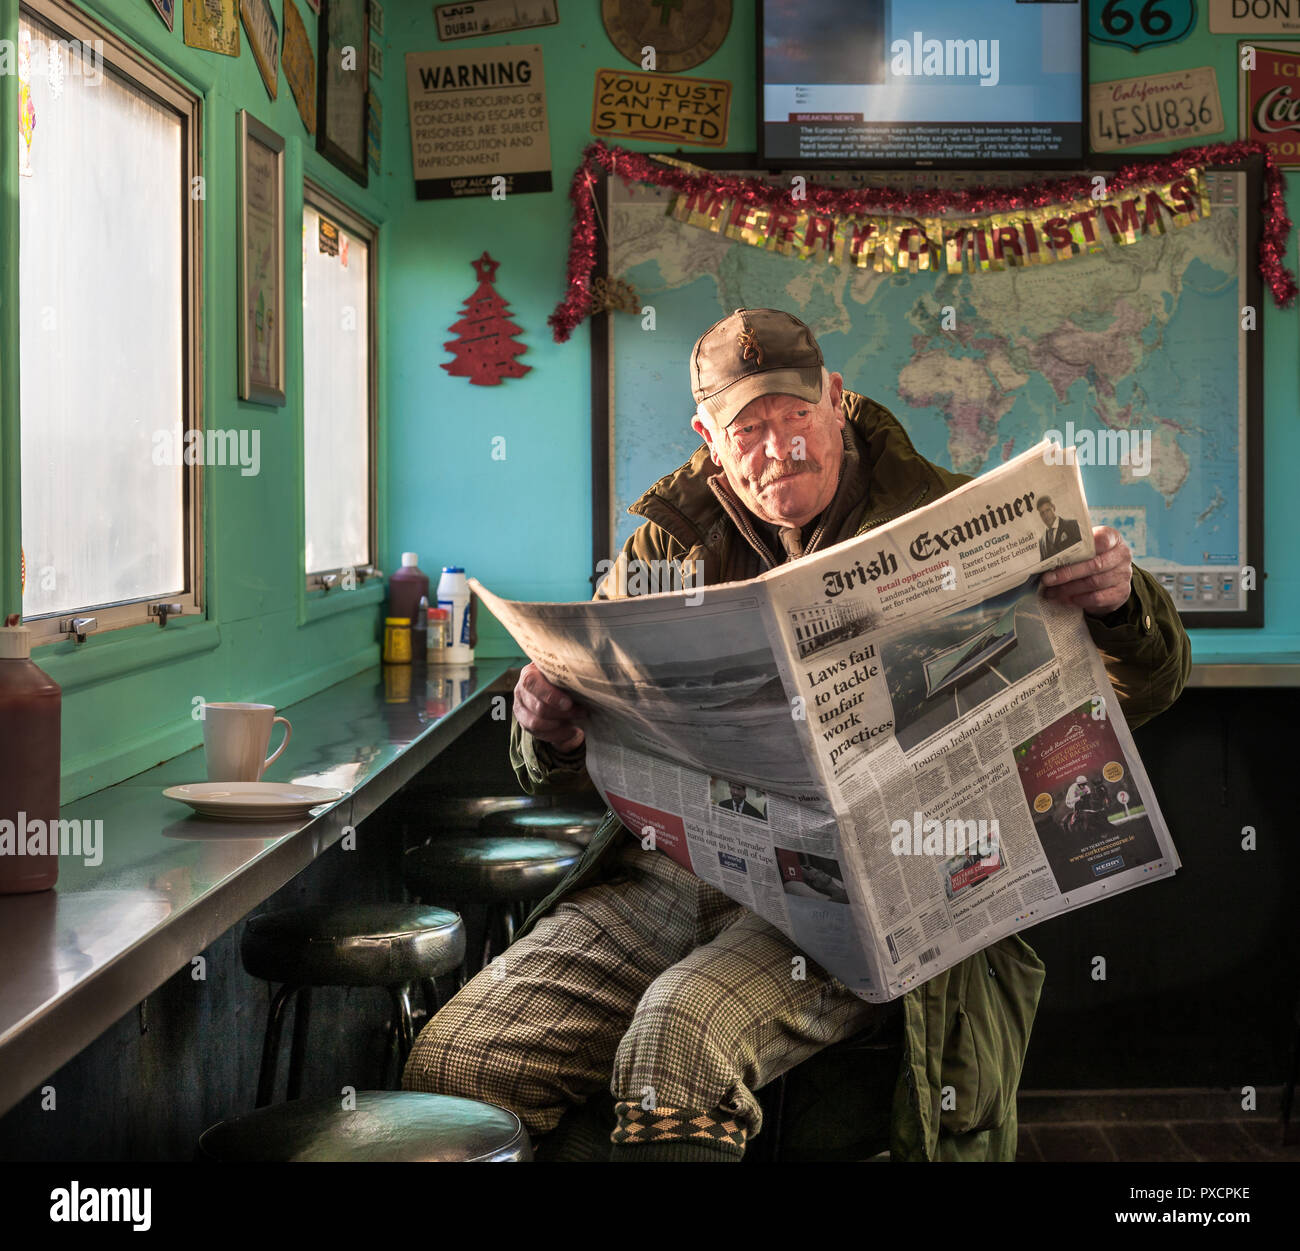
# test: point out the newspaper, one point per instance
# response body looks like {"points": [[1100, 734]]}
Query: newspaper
{"points": [[896, 751]]}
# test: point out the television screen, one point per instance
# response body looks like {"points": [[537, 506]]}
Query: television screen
{"points": [[922, 82]]}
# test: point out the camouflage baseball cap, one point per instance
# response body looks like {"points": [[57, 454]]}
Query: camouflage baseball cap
{"points": [[755, 351]]}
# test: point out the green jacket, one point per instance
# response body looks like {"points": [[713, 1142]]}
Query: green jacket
{"points": [[967, 1028]]}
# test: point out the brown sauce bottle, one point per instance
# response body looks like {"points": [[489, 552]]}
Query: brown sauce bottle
{"points": [[30, 707]]}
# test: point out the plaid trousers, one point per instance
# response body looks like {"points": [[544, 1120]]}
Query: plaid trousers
{"points": [[653, 985]]}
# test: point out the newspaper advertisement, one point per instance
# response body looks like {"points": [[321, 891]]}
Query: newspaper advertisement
{"points": [[896, 750]]}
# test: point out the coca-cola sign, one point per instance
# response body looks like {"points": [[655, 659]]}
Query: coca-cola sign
{"points": [[1270, 97], [1276, 110]]}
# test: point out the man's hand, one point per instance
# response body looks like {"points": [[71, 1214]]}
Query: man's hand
{"points": [[1100, 585], [546, 712]]}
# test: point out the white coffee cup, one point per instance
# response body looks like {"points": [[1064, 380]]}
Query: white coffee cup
{"points": [[235, 739]]}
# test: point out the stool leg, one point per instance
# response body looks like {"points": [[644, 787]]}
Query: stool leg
{"points": [[271, 1045], [392, 1056], [490, 923], [500, 925], [298, 1047], [401, 997], [429, 988]]}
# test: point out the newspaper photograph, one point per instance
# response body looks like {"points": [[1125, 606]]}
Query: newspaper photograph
{"points": [[897, 750]]}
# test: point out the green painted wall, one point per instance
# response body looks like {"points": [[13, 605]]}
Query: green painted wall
{"points": [[521, 524], [128, 693]]}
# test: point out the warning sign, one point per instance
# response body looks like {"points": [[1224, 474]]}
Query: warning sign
{"points": [[478, 122]]}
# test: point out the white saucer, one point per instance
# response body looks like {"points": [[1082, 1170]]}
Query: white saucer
{"points": [[252, 801]]}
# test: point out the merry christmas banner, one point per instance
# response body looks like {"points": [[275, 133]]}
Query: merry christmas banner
{"points": [[1031, 236], [948, 227]]}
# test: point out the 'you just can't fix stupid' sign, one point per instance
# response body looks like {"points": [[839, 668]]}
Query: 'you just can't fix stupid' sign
{"points": [[637, 104]]}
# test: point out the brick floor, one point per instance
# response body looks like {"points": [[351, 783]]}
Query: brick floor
{"points": [[1174, 1126]]}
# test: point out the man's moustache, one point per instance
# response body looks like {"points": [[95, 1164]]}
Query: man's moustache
{"points": [[785, 469]]}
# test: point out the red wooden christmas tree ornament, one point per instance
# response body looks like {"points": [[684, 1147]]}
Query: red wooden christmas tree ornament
{"points": [[483, 348]]}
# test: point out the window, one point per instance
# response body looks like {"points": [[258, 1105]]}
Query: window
{"points": [[338, 260], [108, 277]]}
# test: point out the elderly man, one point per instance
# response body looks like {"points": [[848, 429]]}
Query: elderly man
{"points": [[636, 978]]}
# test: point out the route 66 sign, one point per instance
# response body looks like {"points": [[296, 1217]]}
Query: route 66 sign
{"points": [[1139, 24]]}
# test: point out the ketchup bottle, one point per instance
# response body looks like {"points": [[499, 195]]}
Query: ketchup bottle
{"points": [[30, 705]]}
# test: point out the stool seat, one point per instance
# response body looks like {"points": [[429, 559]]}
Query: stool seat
{"points": [[385, 1125], [475, 867], [353, 944], [568, 825], [465, 812], [421, 807]]}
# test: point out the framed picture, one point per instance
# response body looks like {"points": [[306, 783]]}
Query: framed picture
{"points": [[264, 39], [214, 27], [260, 251], [1146, 339], [343, 84]]}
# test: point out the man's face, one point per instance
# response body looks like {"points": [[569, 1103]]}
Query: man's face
{"points": [[1048, 513], [782, 454], [737, 793]]}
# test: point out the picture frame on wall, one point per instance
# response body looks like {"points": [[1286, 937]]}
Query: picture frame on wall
{"points": [[1193, 516], [264, 39], [259, 219], [341, 113]]}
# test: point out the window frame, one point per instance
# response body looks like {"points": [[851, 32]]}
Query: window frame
{"points": [[169, 93], [315, 196]]}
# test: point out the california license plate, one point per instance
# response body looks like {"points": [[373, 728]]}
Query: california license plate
{"points": [[1155, 108]]}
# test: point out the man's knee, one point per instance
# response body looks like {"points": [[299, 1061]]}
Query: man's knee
{"points": [[680, 1015]]}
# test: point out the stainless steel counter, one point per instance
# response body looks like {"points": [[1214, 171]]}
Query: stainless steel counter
{"points": [[76, 958]]}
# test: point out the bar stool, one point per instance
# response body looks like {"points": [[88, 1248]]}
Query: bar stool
{"points": [[392, 946], [565, 824], [384, 1125], [503, 873], [414, 806], [466, 812]]}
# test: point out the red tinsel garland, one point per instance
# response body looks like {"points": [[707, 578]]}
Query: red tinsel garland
{"points": [[637, 167]]}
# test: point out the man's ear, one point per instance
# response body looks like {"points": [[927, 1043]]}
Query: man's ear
{"points": [[707, 435], [837, 396]]}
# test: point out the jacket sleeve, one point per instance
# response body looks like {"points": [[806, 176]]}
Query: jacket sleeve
{"points": [[540, 768], [1147, 653]]}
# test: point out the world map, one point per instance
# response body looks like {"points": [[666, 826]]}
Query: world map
{"points": [[977, 367]]}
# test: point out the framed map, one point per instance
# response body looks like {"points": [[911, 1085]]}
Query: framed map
{"points": [[1152, 338]]}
